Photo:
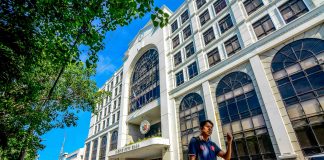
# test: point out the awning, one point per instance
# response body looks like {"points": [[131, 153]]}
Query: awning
{"points": [[150, 148]]}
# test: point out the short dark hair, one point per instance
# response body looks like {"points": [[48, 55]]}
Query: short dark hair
{"points": [[202, 123]]}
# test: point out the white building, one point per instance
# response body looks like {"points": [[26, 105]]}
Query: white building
{"points": [[253, 67], [76, 155]]}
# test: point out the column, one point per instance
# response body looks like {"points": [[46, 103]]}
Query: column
{"points": [[280, 133], [210, 110]]}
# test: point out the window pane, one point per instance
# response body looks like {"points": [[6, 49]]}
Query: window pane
{"points": [[286, 90], [317, 80], [252, 144], [319, 132], [301, 85], [295, 111], [306, 137]]}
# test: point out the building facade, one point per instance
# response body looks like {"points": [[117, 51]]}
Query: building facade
{"points": [[76, 155], [253, 67]]}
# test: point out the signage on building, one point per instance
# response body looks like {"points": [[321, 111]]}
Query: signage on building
{"points": [[145, 126], [127, 148]]}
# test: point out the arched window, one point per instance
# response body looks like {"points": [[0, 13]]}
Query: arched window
{"points": [[94, 149], [297, 69], [113, 141], [191, 114], [103, 145], [241, 115], [145, 84]]}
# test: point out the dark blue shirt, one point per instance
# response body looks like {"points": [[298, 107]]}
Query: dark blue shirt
{"points": [[203, 150]]}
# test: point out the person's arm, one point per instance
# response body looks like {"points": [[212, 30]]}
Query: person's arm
{"points": [[227, 155], [192, 149], [192, 157]]}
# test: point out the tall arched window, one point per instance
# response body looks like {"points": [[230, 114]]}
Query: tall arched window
{"points": [[113, 141], [94, 149], [103, 146], [241, 115], [297, 69], [145, 84], [191, 114]]}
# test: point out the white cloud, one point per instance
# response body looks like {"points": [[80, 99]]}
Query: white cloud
{"points": [[105, 65]]}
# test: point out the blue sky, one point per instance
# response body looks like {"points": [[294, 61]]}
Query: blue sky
{"points": [[110, 60]]}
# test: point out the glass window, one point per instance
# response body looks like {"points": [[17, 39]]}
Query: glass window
{"points": [[102, 153], [113, 119], [175, 41], [299, 77], [187, 32], [87, 152], [225, 23], [190, 50], [145, 80], [177, 58], [213, 57], [263, 27], [192, 70], [232, 46], [200, 3], [94, 149], [204, 17], [184, 16], [219, 5], [209, 35], [252, 5], [113, 140], [192, 107], [179, 78], [174, 26], [292, 10], [237, 114]]}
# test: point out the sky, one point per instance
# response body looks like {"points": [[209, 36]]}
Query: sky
{"points": [[110, 60]]}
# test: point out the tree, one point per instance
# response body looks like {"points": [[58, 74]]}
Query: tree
{"points": [[43, 81]]}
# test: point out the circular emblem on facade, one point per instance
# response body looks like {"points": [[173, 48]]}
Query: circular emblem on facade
{"points": [[145, 126]]}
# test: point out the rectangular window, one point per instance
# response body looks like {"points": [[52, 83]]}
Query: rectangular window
{"points": [[292, 10], [107, 122], [213, 57], [175, 41], [120, 88], [116, 91], [232, 46], [105, 112], [225, 23], [187, 32], [113, 119], [103, 124], [263, 27], [219, 5], [200, 3], [209, 35], [204, 17], [117, 79], [119, 101], [192, 70], [179, 78], [118, 115], [115, 105], [190, 50], [109, 109], [184, 16], [174, 26], [252, 5], [177, 59]]}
